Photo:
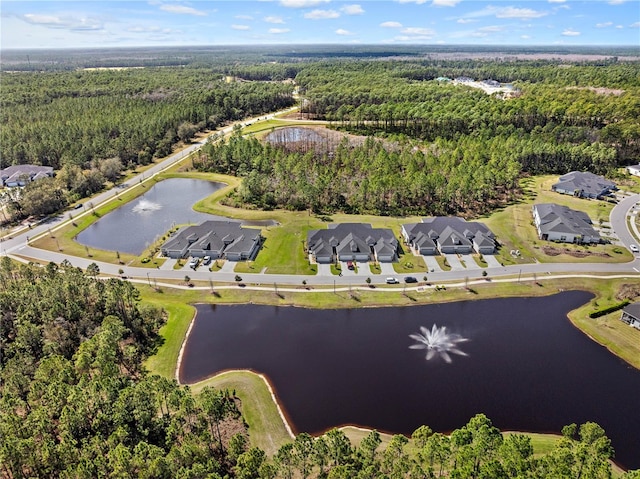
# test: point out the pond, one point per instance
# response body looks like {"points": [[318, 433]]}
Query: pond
{"points": [[135, 225], [524, 365]]}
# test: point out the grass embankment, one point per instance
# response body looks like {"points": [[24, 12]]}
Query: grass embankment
{"points": [[262, 128], [515, 230], [266, 428]]}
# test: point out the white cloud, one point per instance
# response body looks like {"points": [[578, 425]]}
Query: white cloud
{"points": [[244, 17], [241, 27], [604, 25], [273, 19], [66, 22], [619, 27], [525, 37], [391, 25], [419, 2], [321, 15], [301, 3], [277, 31], [352, 10], [507, 12], [465, 20], [616, 2], [635, 25], [342, 31], [570, 33], [445, 3], [556, 1], [521, 13], [418, 31], [182, 9]]}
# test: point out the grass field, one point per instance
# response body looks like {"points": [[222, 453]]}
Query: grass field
{"points": [[515, 230]]}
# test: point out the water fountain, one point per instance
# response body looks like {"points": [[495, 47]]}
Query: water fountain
{"points": [[146, 205], [438, 342]]}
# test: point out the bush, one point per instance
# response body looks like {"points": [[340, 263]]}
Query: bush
{"points": [[610, 309]]}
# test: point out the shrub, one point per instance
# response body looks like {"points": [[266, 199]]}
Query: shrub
{"points": [[610, 309]]}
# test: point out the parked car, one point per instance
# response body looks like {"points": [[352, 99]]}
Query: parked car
{"points": [[410, 279], [634, 248], [391, 280], [193, 264], [206, 260], [350, 265], [78, 206]]}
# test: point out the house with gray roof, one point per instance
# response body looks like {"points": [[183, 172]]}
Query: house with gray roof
{"points": [[584, 185], [20, 175], [448, 234], [560, 223], [217, 239], [631, 315], [352, 242]]}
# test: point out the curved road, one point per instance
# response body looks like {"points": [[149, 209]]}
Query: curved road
{"points": [[18, 245]]}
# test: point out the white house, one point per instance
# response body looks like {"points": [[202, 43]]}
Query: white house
{"points": [[634, 170]]}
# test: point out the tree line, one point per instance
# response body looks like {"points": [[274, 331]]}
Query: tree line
{"points": [[402, 98], [469, 176], [135, 115]]}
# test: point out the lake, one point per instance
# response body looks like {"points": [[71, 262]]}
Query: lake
{"points": [[135, 225], [526, 366]]}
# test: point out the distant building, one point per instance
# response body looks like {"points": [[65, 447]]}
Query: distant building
{"points": [[631, 315], [492, 83], [634, 170], [448, 234], [217, 239], [464, 80], [584, 185], [560, 223], [20, 175], [352, 242], [443, 79]]}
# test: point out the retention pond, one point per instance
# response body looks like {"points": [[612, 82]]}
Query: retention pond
{"points": [[519, 360]]}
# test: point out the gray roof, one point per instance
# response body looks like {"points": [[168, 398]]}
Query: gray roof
{"points": [[350, 237], [633, 310], [561, 219], [449, 230], [586, 182], [30, 171], [215, 236]]}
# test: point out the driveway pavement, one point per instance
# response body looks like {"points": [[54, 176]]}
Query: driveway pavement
{"points": [[492, 261], [324, 269], [432, 264], [387, 269], [469, 261], [454, 262]]}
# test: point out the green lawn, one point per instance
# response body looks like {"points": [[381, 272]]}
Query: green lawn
{"points": [[266, 428], [408, 263], [514, 228]]}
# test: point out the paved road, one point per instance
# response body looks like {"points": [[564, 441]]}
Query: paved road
{"points": [[18, 246]]}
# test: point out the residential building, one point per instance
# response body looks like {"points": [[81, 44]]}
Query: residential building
{"points": [[634, 170], [20, 175], [352, 242], [584, 185], [216, 239], [448, 234], [560, 223], [631, 315]]}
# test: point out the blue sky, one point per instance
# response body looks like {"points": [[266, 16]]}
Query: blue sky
{"points": [[73, 24]]}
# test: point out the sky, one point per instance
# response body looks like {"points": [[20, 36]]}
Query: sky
{"points": [[78, 24]]}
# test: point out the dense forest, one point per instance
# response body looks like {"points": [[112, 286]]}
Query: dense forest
{"points": [[135, 115], [76, 403], [443, 148]]}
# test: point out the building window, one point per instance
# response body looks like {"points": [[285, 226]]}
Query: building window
{"points": [[563, 238]]}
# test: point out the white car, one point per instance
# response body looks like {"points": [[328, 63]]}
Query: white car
{"points": [[206, 260], [193, 264], [634, 248], [391, 280]]}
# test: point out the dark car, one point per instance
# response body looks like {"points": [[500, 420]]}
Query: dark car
{"points": [[350, 265], [410, 279]]}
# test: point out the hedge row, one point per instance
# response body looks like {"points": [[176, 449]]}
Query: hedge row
{"points": [[610, 309]]}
